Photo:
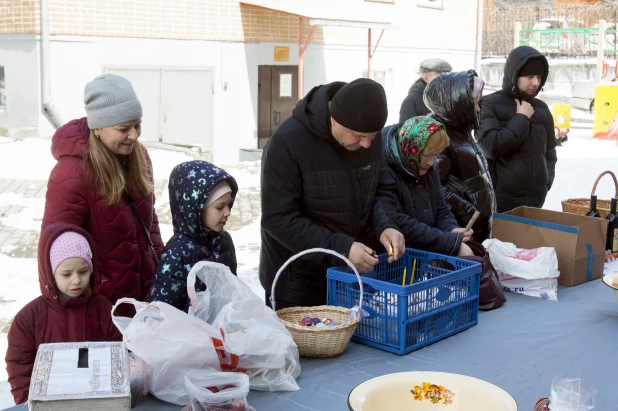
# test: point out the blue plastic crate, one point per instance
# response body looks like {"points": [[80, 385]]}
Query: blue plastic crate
{"points": [[442, 300]]}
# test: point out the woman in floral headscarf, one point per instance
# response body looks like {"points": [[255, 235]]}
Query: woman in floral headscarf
{"points": [[414, 200]]}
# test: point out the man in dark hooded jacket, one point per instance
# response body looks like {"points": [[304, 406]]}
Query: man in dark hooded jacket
{"points": [[320, 175], [517, 133], [413, 105]]}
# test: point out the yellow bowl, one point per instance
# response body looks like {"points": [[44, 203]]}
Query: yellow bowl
{"points": [[610, 280], [426, 390]]}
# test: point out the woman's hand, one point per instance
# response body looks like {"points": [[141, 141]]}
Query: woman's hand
{"points": [[465, 251], [467, 235]]}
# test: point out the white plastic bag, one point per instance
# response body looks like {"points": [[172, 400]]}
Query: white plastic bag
{"points": [[139, 378], [171, 343], [530, 272], [571, 394], [231, 391], [265, 348]]}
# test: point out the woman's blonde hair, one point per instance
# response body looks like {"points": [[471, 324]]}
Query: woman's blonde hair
{"points": [[115, 175], [438, 140]]}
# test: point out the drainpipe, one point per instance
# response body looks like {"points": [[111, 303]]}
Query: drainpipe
{"points": [[479, 37], [49, 111]]}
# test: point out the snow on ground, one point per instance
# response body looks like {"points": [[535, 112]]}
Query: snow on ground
{"points": [[37, 151], [581, 114], [27, 219], [28, 159], [247, 239], [164, 161], [247, 244], [20, 285], [580, 161]]}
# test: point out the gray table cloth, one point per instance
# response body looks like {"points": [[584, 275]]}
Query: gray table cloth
{"points": [[520, 347]]}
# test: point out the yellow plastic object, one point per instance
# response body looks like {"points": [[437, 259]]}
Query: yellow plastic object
{"points": [[605, 107], [562, 116]]}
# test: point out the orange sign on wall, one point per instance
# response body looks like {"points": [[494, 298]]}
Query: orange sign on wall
{"points": [[282, 53]]}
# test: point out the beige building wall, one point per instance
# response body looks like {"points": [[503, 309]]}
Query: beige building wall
{"points": [[419, 26]]}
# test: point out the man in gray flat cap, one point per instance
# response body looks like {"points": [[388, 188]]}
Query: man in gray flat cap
{"points": [[413, 104]]}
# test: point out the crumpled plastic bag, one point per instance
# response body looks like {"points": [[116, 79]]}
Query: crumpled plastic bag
{"points": [[171, 343], [217, 391], [531, 272], [264, 348], [571, 394], [139, 378]]}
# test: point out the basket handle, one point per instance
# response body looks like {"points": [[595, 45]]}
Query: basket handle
{"points": [[594, 187], [317, 250]]}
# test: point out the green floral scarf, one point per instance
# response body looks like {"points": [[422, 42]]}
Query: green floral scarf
{"points": [[412, 138]]}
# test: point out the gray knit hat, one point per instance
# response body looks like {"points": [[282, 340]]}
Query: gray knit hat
{"points": [[437, 65], [109, 100]]}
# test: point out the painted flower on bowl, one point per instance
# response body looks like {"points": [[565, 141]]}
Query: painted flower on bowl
{"points": [[418, 393], [432, 392]]}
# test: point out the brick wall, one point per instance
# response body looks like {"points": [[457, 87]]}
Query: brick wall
{"points": [[228, 20], [169, 19], [503, 3], [19, 16], [561, 2]]}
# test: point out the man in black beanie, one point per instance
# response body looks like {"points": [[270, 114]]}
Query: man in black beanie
{"points": [[320, 175], [517, 133]]}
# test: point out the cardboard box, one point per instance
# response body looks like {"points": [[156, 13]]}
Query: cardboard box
{"points": [[80, 376], [579, 241]]}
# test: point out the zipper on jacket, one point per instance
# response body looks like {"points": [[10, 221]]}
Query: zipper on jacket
{"points": [[352, 183]]}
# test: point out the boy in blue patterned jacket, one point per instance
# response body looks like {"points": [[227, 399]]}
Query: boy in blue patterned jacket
{"points": [[201, 199]]}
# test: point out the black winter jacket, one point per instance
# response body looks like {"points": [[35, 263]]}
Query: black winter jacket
{"points": [[413, 105], [190, 185], [415, 204], [464, 172], [521, 151], [315, 193]]}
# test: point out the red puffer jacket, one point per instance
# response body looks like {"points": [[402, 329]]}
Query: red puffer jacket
{"points": [[53, 318], [125, 261]]}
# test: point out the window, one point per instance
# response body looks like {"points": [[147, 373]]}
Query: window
{"points": [[434, 4], [2, 90]]}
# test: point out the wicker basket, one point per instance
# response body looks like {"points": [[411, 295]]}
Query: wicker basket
{"points": [[581, 206], [318, 341]]}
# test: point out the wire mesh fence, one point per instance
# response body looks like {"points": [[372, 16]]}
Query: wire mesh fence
{"points": [[538, 22]]}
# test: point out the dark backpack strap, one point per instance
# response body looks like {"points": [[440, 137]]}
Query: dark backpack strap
{"points": [[139, 218]]}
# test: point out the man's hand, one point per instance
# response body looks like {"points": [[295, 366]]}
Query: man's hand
{"points": [[467, 235], [393, 240], [362, 257], [465, 251], [523, 107]]}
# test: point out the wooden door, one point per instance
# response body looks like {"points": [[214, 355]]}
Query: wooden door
{"points": [[277, 96]]}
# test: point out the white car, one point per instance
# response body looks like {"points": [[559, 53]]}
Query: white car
{"points": [[583, 93]]}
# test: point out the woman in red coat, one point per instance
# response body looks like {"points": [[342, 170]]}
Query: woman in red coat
{"points": [[67, 311], [101, 170]]}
